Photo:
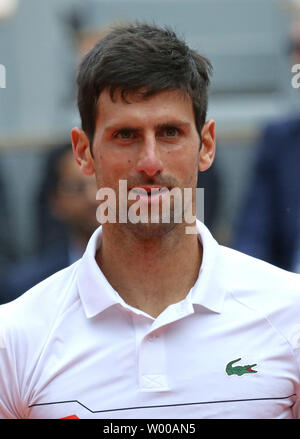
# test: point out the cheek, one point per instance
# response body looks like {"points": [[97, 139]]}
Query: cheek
{"points": [[183, 163], [110, 169]]}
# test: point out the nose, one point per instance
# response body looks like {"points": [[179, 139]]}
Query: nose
{"points": [[149, 160]]}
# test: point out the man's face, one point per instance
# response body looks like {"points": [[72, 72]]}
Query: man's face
{"points": [[75, 199], [295, 43], [147, 142]]}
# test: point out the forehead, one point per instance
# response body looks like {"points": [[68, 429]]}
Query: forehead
{"points": [[157, 108]]}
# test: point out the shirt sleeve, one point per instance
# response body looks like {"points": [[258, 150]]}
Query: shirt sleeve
{"points": [[9, 393], [295, 342]]}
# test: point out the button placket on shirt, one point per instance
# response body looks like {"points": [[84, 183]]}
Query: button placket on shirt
{"points": [[152, 364], [151, 360], [151, 347]]}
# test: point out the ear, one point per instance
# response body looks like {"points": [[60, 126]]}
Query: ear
{"points": [[82, 151], [208, 147]]}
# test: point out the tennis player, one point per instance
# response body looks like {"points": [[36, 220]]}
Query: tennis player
{"points": [[152, 321]]}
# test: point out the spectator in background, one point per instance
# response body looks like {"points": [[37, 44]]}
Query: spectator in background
{"points": [[269, 225], [7, 251], [67, 217], [210, 181]]}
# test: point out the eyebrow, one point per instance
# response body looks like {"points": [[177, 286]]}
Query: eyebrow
{"points": [[126, 126], [172, 123]]}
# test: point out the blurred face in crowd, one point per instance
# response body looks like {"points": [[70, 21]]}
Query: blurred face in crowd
{"points": [[295, 42], [74, 201], [147, 142]]}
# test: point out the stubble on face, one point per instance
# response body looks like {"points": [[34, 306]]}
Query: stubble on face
{"points": [[177, 105]]}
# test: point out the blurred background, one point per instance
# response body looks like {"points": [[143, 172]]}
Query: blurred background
{"points": [[47, 208]]}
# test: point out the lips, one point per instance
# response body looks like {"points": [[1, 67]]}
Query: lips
{"points": [[153, 194], [151, 190]]}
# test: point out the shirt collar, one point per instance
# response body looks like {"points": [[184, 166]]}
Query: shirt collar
{"points": [[95, 291], [97, 294], [209, 289]]}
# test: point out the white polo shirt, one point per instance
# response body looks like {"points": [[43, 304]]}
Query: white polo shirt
{"points": [[70, 346]]}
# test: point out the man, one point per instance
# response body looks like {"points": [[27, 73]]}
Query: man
{"points": [[67, 218], [7, 250], [154, 321], [268, 226], [66, 204]]}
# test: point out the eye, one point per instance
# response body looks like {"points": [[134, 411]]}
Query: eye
{"points": [[169, 131], [125, 134]]}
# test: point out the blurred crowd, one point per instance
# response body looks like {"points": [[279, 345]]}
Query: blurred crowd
{"points": [[267, 225]]}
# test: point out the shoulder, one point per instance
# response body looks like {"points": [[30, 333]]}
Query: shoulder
{"points": [[273, 136], [245, 272], [272, 291], [34, 311], [26, 327], [284, 128]]}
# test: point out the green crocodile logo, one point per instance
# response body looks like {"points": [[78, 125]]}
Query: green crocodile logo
{"points": [[239, 370]]}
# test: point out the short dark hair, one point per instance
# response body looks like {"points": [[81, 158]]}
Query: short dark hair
{"points": [[141, 57]]}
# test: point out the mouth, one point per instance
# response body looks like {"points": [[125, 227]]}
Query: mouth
{"points": [[149, 188], [153, 192]]}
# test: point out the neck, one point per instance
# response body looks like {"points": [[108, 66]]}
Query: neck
{"points": [[150, 274]]}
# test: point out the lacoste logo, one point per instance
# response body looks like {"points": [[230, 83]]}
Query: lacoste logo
{"points": [[239, 370]]}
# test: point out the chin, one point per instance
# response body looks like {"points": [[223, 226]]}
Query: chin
{"points": [[151, 230]]}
